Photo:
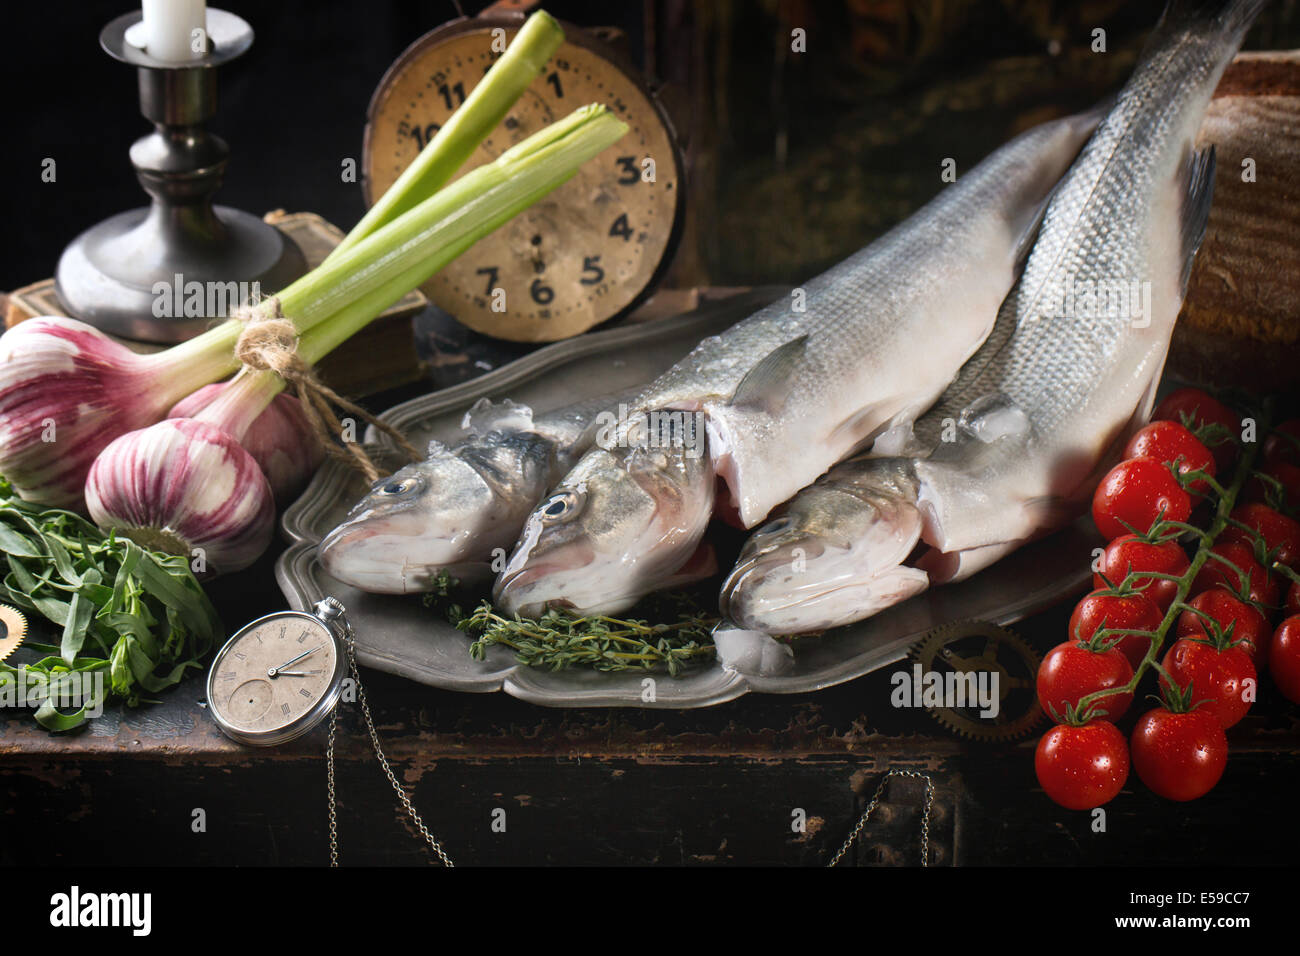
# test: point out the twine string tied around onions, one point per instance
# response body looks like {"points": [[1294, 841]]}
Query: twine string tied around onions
{"points": [[270, 342]]}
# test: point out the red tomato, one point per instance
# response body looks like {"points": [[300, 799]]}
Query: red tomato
{"points": [[1194, 409], [1220, 678], [1070, 672], [1283, 444], [1286, 475], [1215, 574], [1227, 610], [1170, 442], [1135, 493], [1284, 658], [1291, 605], [1130, 553], [1179, 756], [1130, 612], [1281, 534], [1082, 767]]}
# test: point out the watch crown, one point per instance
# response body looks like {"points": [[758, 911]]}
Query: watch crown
{"points": [[328, 608]]}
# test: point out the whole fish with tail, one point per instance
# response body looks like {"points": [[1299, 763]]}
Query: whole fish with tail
{"points": [[448, 513], [791, 390], [1043, 413]]}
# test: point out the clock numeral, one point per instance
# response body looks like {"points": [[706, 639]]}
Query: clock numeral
{"points": [[554, 80], [240, 656], [589, 265], [422, 136], [492, 272], [542, 294], [303, 636], [306, 693], [458, 89], [226, 677], [621, 228], [284, 709], [631, 175]]}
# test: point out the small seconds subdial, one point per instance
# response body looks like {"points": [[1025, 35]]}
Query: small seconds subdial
{"points": [[273, 675], [589, 250]]}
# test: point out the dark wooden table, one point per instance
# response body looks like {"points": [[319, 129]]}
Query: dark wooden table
{"points": [[720, 785], [603, 786]]}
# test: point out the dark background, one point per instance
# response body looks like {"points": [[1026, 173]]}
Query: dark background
{"points": [[793, 160]]}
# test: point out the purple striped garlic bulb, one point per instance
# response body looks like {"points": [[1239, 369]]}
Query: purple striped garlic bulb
{"points": [[280, 439], [67, 390], [186, 487]]}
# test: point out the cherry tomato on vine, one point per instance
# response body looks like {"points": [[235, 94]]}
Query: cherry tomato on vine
{"points": [[1179, 756], [1126, 612], [1283, 443], [1082, 767], [1224, 679], [1291, 606], [1262, 588], [1070, 672], [1284, 658], [1170, 442], [1135, 493], [1281, 534], [1194, 406], [1227, 610], [1130, 553]]}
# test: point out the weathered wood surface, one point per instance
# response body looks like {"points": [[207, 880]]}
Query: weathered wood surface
{"points": [[606, 786]]}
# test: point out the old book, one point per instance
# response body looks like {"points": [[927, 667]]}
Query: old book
{"points": [[387, 343]]}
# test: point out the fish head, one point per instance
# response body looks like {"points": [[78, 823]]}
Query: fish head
{"points": [[625, 519], [444, 514], [836, 555]]}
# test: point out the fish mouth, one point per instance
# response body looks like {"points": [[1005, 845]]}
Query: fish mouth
{"points": [[532, 588], [796, 581], [377, 559]]}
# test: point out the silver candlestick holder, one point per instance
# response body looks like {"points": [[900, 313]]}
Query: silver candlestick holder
{"points": [[134, 272]]}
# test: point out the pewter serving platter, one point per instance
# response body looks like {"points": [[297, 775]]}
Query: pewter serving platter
{"points": [[398, 634]]}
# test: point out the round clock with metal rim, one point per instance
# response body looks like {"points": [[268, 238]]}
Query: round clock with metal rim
{"points": [[589, 251]]}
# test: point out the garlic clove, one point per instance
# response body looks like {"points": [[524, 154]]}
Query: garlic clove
{"points": [[184, 487], [66, 391], [280, 439]]}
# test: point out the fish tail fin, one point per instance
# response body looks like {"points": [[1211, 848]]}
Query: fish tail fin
{"points": [[1228, 18], [1198, 191]]}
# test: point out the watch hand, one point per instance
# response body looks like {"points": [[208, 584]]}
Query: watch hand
{"points": [[280, 673], [273, 671]]}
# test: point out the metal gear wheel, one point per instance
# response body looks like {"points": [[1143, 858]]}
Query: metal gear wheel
{"points": [[980, 646], [13, 628]]}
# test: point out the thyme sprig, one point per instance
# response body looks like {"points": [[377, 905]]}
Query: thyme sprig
{"points": [[558, 641]]}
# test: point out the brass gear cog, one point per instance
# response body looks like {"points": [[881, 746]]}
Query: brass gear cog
{"points": [[13, 628], [981, 646]]}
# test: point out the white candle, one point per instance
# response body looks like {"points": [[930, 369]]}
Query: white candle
{"points": [[169, 27]]}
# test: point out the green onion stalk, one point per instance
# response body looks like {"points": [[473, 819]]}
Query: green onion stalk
{"points": [[187, 486], [67, 390]]}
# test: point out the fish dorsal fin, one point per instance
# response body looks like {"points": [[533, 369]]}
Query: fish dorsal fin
{"points": [[767, 385], [1198, 191]]}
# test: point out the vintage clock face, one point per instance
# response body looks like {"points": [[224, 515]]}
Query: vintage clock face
{"points": [[589, 250], [275, 679]]}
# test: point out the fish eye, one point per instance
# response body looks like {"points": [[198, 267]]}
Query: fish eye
{"points": [[399, 486], [560, 506]]}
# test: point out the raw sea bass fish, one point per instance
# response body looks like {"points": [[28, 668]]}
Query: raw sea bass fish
{"points": [[449, 512], [795, 387], [1042, 408]]}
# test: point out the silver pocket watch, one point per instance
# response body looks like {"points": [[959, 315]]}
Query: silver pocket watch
{"points": [[279, 676]]}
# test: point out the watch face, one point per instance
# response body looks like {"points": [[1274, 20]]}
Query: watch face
{"points": [[275, 679]]}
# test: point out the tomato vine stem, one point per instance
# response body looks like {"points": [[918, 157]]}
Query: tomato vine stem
{"points": [[1223, 509]]}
